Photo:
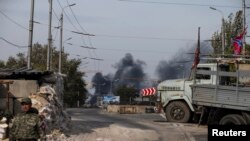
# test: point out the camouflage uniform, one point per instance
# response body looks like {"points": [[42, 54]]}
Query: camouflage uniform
{"points": [[27, 127]]}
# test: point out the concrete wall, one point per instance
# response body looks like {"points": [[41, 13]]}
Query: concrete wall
{"points": [[18, 90], [23, 88], [127, 109]]}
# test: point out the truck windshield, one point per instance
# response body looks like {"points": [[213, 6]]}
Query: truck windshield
{"points": [[203, 76]]}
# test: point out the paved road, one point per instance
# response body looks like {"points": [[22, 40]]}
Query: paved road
{"points": [[97, 125]]}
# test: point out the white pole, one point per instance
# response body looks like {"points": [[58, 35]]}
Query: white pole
{"points": [[30, 34], [49, 36], [222, 30], [60, 52]]}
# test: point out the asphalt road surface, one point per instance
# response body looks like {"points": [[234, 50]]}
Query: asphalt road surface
{"points": [[95, 124]]}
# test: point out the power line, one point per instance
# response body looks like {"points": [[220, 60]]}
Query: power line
{"points": [[67, 16], [75, 17], [70, 20], [79, 23], [183, 4], [122, 50], [89, 39], [141, 37], [55, 14], [13, 20], [83, 41], [123, 36], [148, 51], [18, 46]]}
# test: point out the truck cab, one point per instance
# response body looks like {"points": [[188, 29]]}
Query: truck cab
{"points": [[176, 95]]}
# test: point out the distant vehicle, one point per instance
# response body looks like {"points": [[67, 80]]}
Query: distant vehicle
{"points": [[87, 105], [215, 95], [111, 99]]}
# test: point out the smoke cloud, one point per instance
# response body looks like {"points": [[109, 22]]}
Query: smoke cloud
{"points": [[129, 72], [180, 65]]}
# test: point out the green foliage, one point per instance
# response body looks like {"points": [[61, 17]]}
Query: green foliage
{"points": [[216, 43], [74, 85], [126, 93], [39, 57], [18, 62], [2, 64], [233, 26]]}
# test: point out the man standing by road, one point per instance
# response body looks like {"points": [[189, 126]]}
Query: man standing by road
{"points": [[26, 125]]}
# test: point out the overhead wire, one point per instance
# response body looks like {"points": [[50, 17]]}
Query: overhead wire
{"points": [[83, 31], [147, 51], [56, 28], [125, 36], [141, 37], [182, 4], [55, 14], [18, 46], [134, 37], [67, 15], [80, 25], [13, 21], [69, 19], [76, 18]]}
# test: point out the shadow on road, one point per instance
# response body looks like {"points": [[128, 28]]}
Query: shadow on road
{"points": [[87, 120]]}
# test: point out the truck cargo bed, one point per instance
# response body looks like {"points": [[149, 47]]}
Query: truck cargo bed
{"points": [[232, 97]]}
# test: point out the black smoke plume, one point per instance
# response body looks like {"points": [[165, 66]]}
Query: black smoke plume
{"points": [[100, 84], [129, 72], [180, 65]]}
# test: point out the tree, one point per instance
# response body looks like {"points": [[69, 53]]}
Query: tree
{"points": [[18, 62], [232, 27], [2, 64], [126, 93], [39, 57], [74, 85]]}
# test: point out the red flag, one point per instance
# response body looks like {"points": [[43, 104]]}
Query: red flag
{"points": [[197, 52], [237, 42], [196, 57]]}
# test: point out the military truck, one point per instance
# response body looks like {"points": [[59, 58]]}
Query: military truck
{"points": [[216, 94]]}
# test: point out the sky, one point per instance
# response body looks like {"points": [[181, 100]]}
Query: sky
{"points": [[150, 30]]}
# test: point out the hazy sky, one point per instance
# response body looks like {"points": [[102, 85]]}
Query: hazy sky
{"points": [[151, 30]]}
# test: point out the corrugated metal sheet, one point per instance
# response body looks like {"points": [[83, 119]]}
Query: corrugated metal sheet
{"points": [[201, 93], [226, 96], [244, 98], [22, 73]]}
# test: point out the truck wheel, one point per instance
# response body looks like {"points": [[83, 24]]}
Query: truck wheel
{"points": [[178, 111], [232, 119]]}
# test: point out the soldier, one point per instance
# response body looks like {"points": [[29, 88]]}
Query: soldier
{"points": [[26, 125]]}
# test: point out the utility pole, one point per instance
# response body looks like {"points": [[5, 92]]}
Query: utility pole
{"points": [[49, 36], [222, 30], [223, 36], [61, 38], [30, 34], [244, 26]]}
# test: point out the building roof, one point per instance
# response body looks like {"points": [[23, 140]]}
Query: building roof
{"points": [[22, 73]]}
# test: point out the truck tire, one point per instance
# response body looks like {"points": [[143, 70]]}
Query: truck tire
{"points": [[178, 111], [232, 119]]}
